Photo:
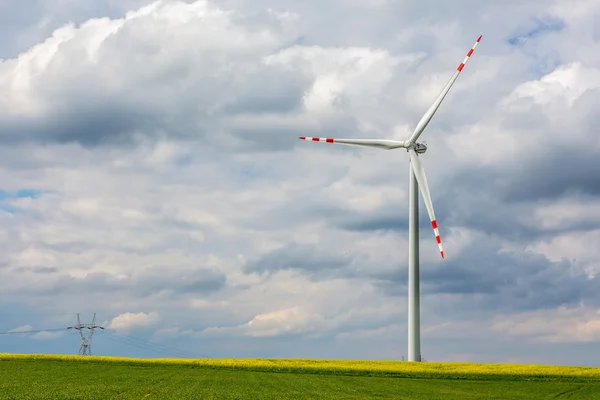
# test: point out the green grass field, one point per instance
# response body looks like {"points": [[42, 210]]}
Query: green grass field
{"points": [[74, 377]]}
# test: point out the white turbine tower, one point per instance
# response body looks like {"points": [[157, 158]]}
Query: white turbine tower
{"points": [[418, 179]]}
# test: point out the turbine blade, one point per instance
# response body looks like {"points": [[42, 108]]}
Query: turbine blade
{"points": [[378, 143], [429, 114], [422, 180]]}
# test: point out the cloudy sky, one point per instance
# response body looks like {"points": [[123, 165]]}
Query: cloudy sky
{"points": [[151, 172]]}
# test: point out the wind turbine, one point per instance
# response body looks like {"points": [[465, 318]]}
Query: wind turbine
{"points": [[417, 179]]}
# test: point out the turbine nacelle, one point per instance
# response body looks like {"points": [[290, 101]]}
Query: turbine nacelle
{"points": [[420, 148]]}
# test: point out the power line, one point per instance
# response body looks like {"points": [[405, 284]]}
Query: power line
{"points": [[159, 347], [146, 345], [86, 339], [124, 339], [31, 331], [32, 314], [142, 346], [108, 311]]}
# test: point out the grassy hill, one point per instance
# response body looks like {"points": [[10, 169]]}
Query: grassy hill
{"points": [[74, 377]]}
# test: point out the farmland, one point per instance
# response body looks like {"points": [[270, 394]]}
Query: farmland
{"points": [[74, 377]]}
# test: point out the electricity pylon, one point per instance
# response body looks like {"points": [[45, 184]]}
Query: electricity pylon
{"points": [[85, 342]]}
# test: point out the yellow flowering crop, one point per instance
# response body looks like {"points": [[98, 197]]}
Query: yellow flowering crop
{"points": [[445, 370]]}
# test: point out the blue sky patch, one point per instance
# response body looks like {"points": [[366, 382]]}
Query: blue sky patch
{"points": [[27, 193], [540, 26], [19, 194]]}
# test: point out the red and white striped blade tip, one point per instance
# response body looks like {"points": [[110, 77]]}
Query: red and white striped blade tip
{"points": [[317, 139], [462, 64], [437, 236]]}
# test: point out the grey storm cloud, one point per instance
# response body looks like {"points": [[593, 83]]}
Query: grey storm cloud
{"points": [[489, 278], [39, 270], [564, 172], [143, 284], [484, 274], [305, 258], [386, 220], [99, 99], [320, 263]]}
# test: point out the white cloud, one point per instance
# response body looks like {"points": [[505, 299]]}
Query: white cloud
{"points": [[129, 321], [567, 213], [565, 84], [24, 328], [45, 335], [290, 320], [562, 325]]}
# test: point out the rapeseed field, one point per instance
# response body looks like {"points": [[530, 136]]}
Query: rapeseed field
{"points": [[59, 377], [446, 370]]}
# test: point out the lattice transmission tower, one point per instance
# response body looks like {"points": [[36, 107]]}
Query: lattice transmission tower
{"points": [[85, 342]]}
